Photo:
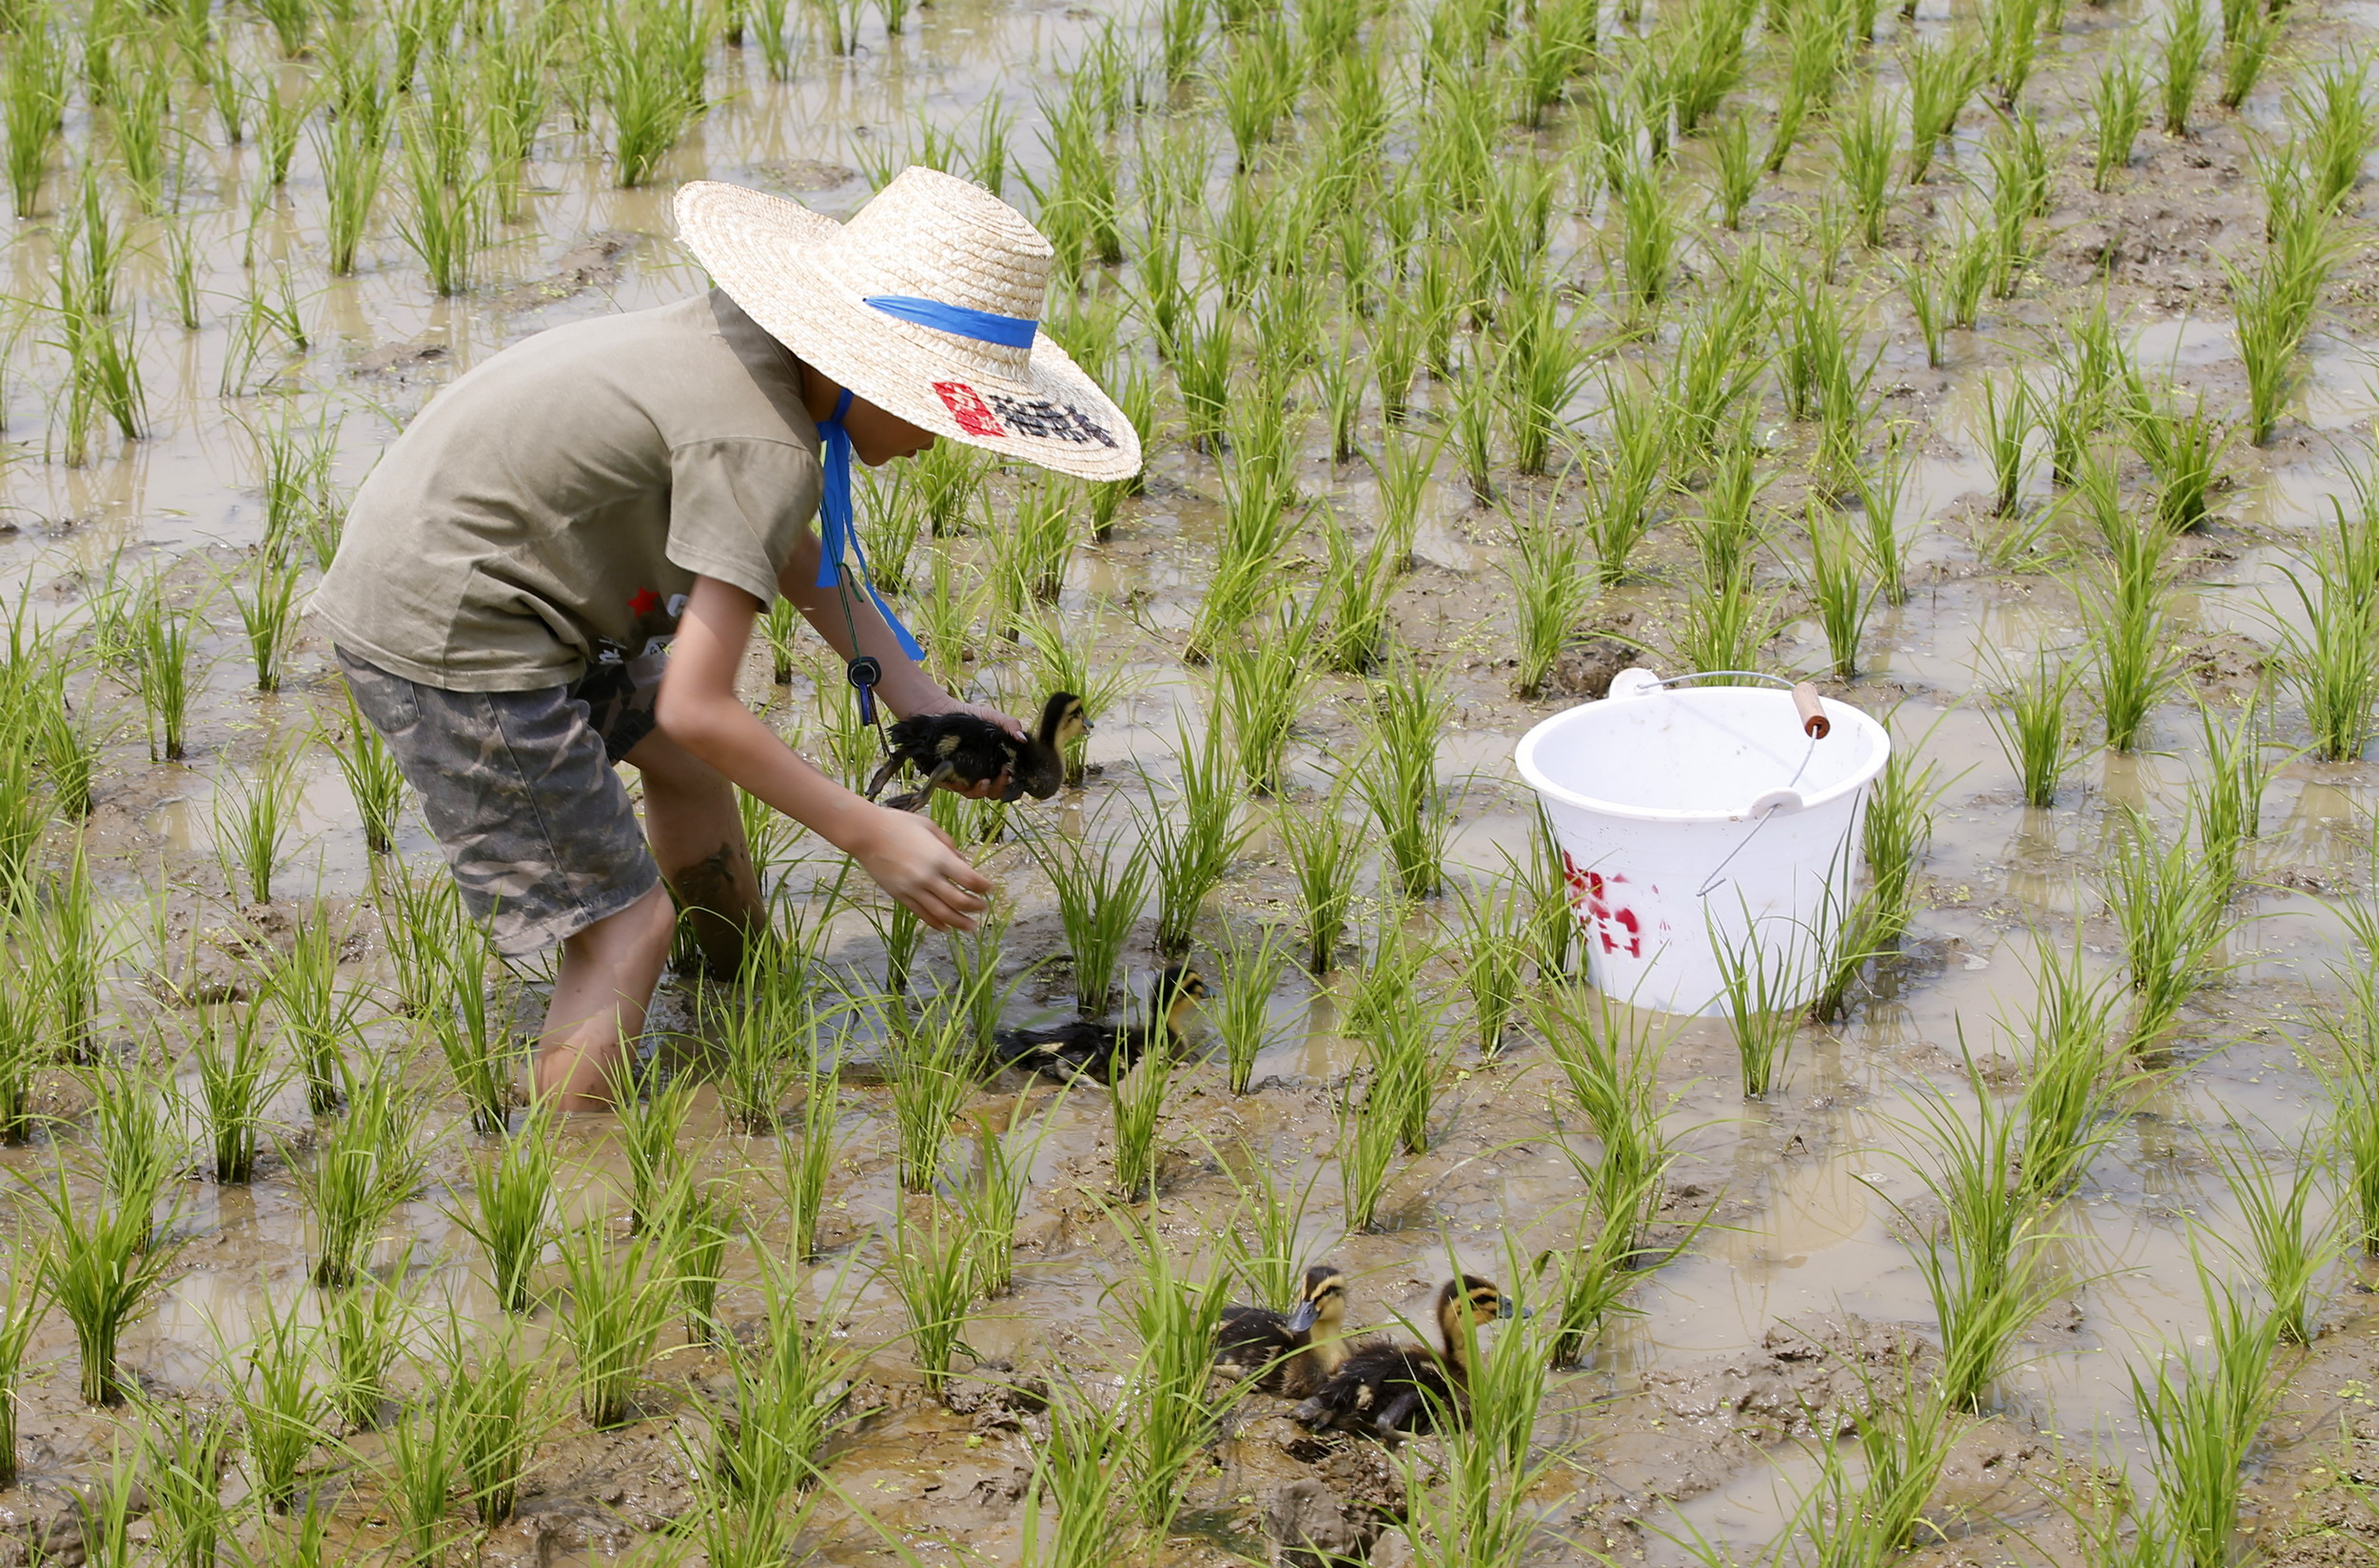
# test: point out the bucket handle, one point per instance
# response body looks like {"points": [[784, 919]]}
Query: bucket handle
{"points": [[1806, 702]]}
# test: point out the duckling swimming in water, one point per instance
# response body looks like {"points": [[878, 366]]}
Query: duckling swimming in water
{"points": [[1290, 1353], [968, 749], [1386, 1387], [1106, 1052]]}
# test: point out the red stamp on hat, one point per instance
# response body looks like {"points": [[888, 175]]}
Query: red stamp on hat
{"points": [[967, 407]]}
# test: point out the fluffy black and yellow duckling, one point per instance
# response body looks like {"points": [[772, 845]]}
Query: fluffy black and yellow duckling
{"points": [[968, 749], [1105, 1052], [1388, 1387], [1290, 1353]]}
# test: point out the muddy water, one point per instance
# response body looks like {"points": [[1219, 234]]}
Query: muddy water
{"points": [[1806, 1191]]}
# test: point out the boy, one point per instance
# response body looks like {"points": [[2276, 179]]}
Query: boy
{"points": [[558, 565]]}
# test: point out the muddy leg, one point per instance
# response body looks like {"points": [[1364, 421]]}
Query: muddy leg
{"points": [[600, 991], [696, 837]]}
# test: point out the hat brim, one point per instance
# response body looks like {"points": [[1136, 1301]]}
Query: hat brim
{"points": [[766, 252]]}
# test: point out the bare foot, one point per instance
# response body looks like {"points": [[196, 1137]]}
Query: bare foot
{"points": [[577, 1075]]}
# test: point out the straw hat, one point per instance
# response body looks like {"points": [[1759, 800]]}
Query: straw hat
{"points": [[806, 279]]}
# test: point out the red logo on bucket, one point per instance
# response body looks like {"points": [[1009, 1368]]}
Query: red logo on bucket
{"points": [[1590, 894], [967, 407]]}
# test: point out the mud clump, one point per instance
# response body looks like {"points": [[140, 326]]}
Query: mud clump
{"points": [[1584, 670], [1313, 1527], [1810, 1377]]}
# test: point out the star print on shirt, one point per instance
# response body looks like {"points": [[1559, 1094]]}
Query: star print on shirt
{"points": [[643, 603]]}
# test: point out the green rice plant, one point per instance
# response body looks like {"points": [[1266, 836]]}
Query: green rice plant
{"points": [[929, 1065], [104, 1516], [2009, 417], [806, 1154], [621, 1299], [2226, 799], [363, 1329], [2127, 625], [1260, 1245], [236, 1083], [2332, 106], [766, 1029], [1201, 364], [651, 1130], [1324, 852], [2273, 309], [1649, 239], [1865, 142], [268, 615], [446, 220], [1098, 903], [1241, 1009], [930, 1266], [165, 652], [1404, 468], [1725, 625], [1894, 832], [419, 1473], [789, 1390], [1735, 166], [2170, 909], [1942, 78], [1839, 591], [1368, 1137], [2333, 664], [281, 116], [1590, 1279], [992, 1201], [184, 1450], [1551, 591], [140, 1157], [32, 107], [1494, 957], [1397, 1025], [1136, 1104], [1879, 487], [469, 1027], [253, 818], [70, 953], [2183, 453], [2247, 45], [353, 150], [1190, 853], [2034, 731], [1398, 776], [1479, 1512], [1867, 1513], [1169, 1422], [22, 1301], [1610, 1063], [1920, 283], [281, 1411], [421, 920], [2286, 1250], [496, 1414], [1760, 988], [511, 1193], [1539, 369], [2202, 1417], [1259, 695], [2186, 36], [363, 1168], [1071, 1518], [650, 64], [1984, 1261], [693, 1227]]}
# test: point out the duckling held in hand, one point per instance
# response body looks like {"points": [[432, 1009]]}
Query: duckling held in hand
{"points": [[968, 748], [1386, 1386], [1290, 1353], [1106, 1052]]}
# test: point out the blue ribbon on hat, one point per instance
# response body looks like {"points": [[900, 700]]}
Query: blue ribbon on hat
{"points": [[835, 504]]}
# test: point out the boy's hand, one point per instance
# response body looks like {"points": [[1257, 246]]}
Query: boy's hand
{"points": [[916, 862]]}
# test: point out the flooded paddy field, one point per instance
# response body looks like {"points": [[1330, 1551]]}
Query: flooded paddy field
{"points": [[1480, 349]]}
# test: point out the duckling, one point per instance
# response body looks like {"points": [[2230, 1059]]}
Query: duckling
{"points": [[971, 749], [1290, 1353], [1386, 1387], [1106, 1052]]}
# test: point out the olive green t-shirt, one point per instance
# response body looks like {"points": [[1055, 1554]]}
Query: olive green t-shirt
{"points": [[552, 507]]}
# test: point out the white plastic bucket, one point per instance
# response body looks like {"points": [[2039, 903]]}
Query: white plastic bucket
{"points": [[1689, 817]]}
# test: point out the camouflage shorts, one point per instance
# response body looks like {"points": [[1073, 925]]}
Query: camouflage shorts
{"points": [[518, 788]]}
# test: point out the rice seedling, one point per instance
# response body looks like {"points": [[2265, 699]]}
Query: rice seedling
{"points": [[511, 1193], [1735, 166], [2033, 727], [1398, 777], [421, 920], [1169, 1420], [364, 1167], [1250, 972], [1368, 1136], [184, 1450], [930, 1266], [1397, 1028], [651, 78], [281, 115], [32, 107], [1725, 625], [495, 1413], [620, 1300], [470, 1029], [105, 1516], [2226, 799], [446, 221], [1868, 1514], [353, 150], [140, 1157], [1077, 1475], [236, 1083], [364, 1328], [268, 615], [651, 1126], [1551, 591], [1260, 693], [2287, 1249], [418, 1474], [1649, 239], [2247, 45], [254, 816], [22, 1301], [1760, 992], [2170, 909], [1494, 957], [806, 1154], [2186, 36], [2127, 626], [165, 650], [2202, 1417], [281, 1406], [2333, 105], [1539, 369], [1839, 592], [1136, 1104], [694, 1233], [1942, 78], [2273, 309], [2333, 663], [1895, 834], [1865, 142], [1491, 1460], [1098, 903], [929, 1064], [1189, 854]]}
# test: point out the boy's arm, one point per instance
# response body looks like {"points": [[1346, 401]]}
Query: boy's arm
{"points": [[697, 708], [905, 689]]}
